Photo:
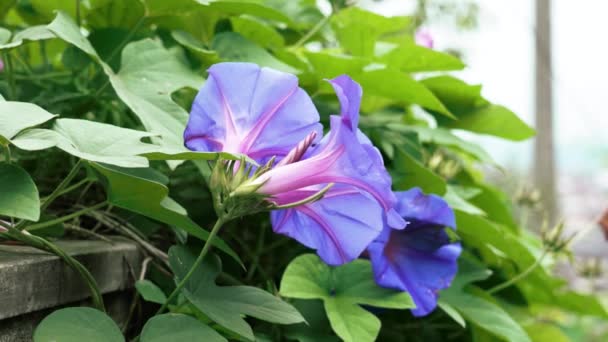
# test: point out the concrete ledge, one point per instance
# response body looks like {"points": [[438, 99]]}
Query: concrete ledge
{"points": [[32, 280]]}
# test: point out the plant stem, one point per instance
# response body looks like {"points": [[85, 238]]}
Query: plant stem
{"points": [[10, 77], [218, 224], [40, 243], [312, 32], [66, 217], [256, 256], [520, 276], [64, 183], [75, 186]]}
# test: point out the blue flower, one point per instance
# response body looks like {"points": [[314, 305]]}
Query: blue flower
{"points": [[263, 113], [420, 258]]}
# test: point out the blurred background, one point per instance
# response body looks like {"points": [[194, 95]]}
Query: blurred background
{"points": [[558, 49]]}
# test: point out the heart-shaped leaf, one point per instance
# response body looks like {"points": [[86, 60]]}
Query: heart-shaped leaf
{"points": [[17, 116], [343, 289], [227, 304], [77, 325], [178, 327], [93, 141]]}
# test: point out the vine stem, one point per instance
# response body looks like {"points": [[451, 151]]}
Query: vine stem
{"points": [[64, 183], [520, 276], [40, 243], [216, 228], [312, 32], [67, 217]]}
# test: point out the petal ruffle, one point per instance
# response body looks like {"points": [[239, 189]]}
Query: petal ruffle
{"points": [[243, 108], [430, 209], [340, 226]]}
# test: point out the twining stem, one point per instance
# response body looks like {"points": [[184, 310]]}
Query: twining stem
{"points": [[40, 243], [520, 276], [66, 217], [216, 228], [64, 183], [312, 32], [75, 186]]}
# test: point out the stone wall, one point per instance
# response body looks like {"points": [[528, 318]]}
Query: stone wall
{"points": [[34, 283]]}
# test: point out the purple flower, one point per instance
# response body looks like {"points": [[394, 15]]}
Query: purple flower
{"points": [[419, 259], [243, 108], [352, 213], [263, 113], [1, 65], [424, 38]]}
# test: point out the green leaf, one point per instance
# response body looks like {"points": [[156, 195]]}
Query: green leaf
{"points": [[178, 327], [150, 292], [455, 94], [400, 87], [486, 315], [444, 137], [32, 33], [225, 305], [17, 116], [414, 58], [475, 113], [478, 310], [195, 46], [328, 65], [257, 31], [92, 141], [343, 289], [452, 312], [234, 47], [457, 202], [144, 191], [358, 29], [494, 120], [408, 173], [542, 332], [257, 9], [77, 325], [148, 76], [19, 197], [316, 328]]}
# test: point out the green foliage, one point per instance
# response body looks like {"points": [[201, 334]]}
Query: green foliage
{"points": [[78, 324], [109, 89], [150, 292], [178, 327], [343, 289], [19, 193], [226, 304]]}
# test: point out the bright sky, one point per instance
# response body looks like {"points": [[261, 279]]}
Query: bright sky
{"points": [[499, 55]]}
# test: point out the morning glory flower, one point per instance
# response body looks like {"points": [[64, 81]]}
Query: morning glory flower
{"points": [[424, 38], [352, 213], [263, 113], [259, 112], [419, 259]]}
